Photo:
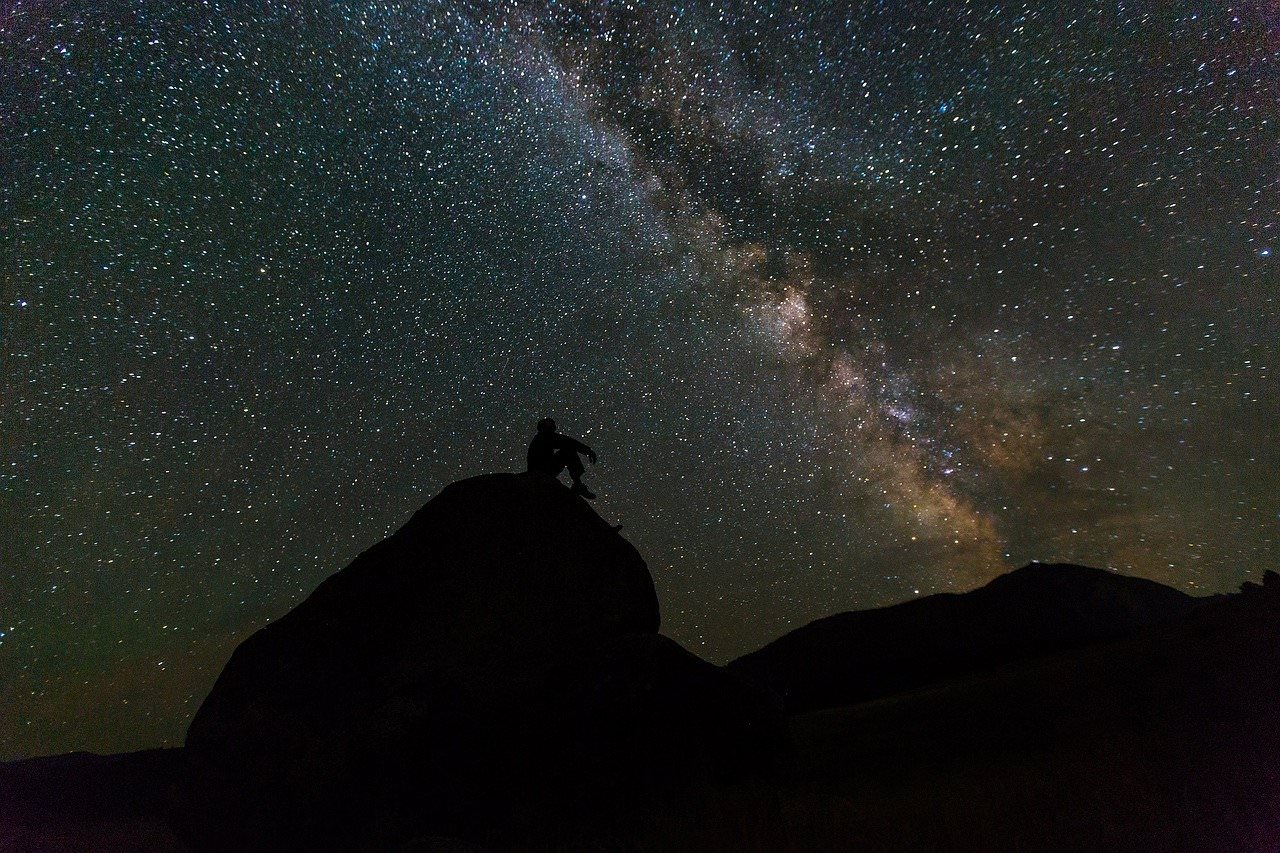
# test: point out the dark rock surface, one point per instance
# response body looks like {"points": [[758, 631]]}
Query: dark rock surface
{"points": [[82, 801], [497, 650], [491, 678], [1040, 609], [485, 586], [1165, 739]]}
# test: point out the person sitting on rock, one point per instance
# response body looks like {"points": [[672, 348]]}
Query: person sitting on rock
{"points": [[551, 452]]}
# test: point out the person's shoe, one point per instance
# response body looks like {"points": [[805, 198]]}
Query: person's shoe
{"points": [[579, 489]]}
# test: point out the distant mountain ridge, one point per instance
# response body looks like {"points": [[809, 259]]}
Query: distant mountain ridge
{"points": [[1040, 609]]}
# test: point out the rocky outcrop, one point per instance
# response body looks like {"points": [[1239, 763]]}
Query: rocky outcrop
{"points": [[1162, 736], [494, 656]]}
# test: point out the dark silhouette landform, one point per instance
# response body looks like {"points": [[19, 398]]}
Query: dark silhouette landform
{"points": [[491, 677]]}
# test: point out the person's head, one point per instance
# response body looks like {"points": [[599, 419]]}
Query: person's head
{"points": [[546, 425]]}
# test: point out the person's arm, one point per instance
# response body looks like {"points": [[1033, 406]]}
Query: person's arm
{"points": [[578, 447]]}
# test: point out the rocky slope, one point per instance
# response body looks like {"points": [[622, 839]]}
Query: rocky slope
{"points": [[490, 677], [497, 653]]}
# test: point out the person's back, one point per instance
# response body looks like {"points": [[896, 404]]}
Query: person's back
{"points": [[550, 453], [542, 454]]}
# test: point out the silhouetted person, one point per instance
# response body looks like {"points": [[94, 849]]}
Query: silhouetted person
{"points": [[550, 453]]}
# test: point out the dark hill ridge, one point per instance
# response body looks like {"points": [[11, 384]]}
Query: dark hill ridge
{"points": [[497, 653], [1167, 739], [1037, 610], [490, 677], [81, 801]]}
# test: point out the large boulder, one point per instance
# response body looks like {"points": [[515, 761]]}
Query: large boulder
{"points": [[496, 653]]}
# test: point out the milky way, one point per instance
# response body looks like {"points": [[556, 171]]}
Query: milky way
{"points": [[857, 302]]}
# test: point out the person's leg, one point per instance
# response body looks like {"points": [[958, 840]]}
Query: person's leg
{"points": [[574, 464]]}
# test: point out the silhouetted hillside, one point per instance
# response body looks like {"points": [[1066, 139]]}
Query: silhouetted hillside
{"points": [[492, 665], [1164, 740], [1037, 610], [81, 801], [490, 678]]}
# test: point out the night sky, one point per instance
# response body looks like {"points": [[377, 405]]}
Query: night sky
{"points": [[857, 301]]}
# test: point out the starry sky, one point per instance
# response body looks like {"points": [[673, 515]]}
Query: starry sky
{"points": [[856, 300]]}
